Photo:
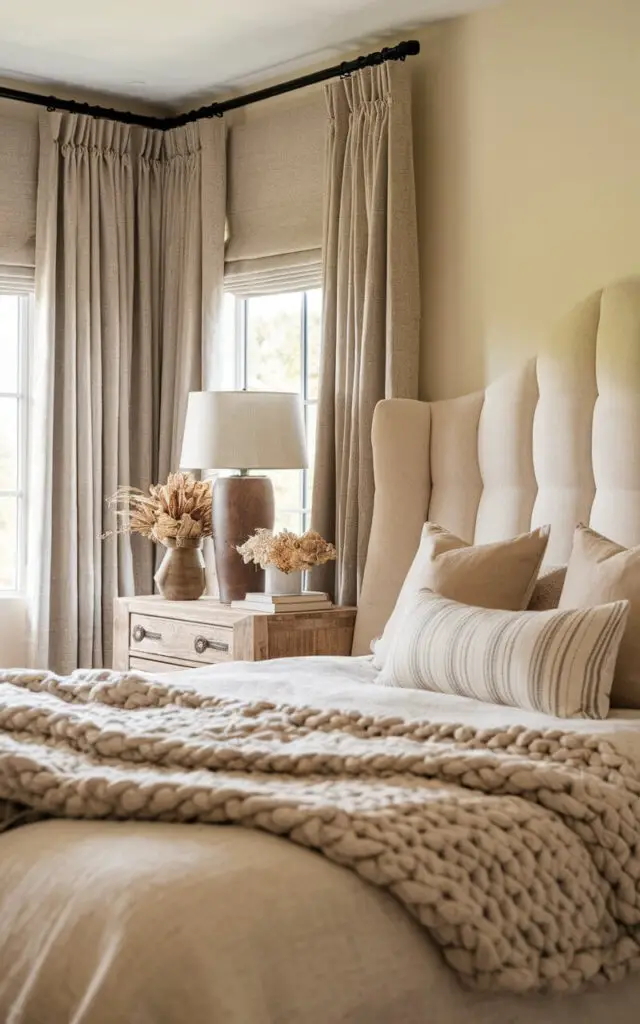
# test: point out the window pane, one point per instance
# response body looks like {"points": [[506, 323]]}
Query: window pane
{"points": [[226, 369], [314, 326], [274, 342], [312, 412], [8, 444], [9, 306], [8, 543], [289, 521], [287, 485]]}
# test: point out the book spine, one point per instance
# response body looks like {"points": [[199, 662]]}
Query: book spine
{"points": [[255, 606], [311, 597]]}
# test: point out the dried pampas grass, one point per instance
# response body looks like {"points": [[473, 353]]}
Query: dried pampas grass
{"points": [[179, 510], [287, 551]]}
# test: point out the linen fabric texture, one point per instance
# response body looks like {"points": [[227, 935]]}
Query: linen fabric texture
{"points": [[546, 593], [371, 304], [515, 849], [600, 570], [500, 575], [558, 662], [128, 284]]}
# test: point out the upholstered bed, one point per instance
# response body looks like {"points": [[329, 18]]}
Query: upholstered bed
{"points": [[135, 921]]}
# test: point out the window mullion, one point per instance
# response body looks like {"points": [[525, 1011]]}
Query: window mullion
{"points": [[242, 343]]}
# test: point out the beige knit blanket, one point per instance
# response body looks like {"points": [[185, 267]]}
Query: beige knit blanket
{"points": [[518, 850]]}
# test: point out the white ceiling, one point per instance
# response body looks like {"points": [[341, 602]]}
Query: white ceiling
{"points": [[172, 50]]}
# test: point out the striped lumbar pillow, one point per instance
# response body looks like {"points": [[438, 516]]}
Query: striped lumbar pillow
{"points": [[557, 662]]}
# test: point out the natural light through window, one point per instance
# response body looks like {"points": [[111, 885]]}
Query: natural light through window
{"points": [[15, 317], [276, 344]]}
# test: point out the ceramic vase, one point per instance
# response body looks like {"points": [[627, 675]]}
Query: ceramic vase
{"points": [[181, 575], [278, 582]]}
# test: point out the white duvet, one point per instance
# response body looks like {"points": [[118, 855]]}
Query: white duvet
{"points": [[105, 922]]}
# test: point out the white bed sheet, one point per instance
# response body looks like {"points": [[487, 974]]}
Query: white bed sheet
{"points": [[104, 922], [350, 683]]}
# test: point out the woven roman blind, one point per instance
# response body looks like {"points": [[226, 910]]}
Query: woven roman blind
{"points": [[18, 178], [274, 200], [16, 280]]}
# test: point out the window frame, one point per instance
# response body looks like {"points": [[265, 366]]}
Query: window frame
{"points": [[241, 374], [21, 395]]}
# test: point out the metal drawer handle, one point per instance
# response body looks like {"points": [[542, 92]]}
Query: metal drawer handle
{"points": [[140, 633], [201, 644]]}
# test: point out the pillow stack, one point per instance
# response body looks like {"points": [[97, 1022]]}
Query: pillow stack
{"points": [[500, 575], [460, 624]]}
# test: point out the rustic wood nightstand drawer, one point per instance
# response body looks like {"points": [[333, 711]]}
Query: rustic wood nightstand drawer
{"points": [[155, 635], [175, 638]]}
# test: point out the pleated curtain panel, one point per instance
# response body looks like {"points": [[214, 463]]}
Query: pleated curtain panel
{"points": [[129, 270], [371, 314]]}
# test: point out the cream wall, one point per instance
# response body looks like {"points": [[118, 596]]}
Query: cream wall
{"points": [[527, 120]]}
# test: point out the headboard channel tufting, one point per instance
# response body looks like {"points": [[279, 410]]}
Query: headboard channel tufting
{"points": [[557, 441]]}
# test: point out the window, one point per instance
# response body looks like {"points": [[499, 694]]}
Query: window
{"points": [[15, 327], [276, 347]]}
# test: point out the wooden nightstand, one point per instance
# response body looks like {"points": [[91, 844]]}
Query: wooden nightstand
{"points": [[155, 635]]}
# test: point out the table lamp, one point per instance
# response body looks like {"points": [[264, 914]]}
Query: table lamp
{"points": [[242, 430]]}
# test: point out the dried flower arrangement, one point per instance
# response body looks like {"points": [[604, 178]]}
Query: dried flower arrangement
{"points": [[178, 511], [287, 551]]}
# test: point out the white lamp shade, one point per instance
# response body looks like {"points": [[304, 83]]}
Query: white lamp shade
{"points": [[244, 430]]}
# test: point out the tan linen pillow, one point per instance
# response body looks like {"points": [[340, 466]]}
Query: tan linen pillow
{"points": [[600, 570], [546, 593], [558, 662], [499, 575]]}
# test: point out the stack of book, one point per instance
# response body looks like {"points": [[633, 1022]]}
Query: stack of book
{"points": [[309, 601]]}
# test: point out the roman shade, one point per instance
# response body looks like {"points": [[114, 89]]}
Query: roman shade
{"points": [[16, 280], [274, 200], [18, 177]]}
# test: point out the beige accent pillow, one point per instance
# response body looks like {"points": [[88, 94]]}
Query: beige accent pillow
{"points": [[558, 662], [499, 575], [546, 593], [600, 570]]}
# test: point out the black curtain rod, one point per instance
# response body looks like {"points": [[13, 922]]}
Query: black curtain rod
{"points": [[398, 52]]}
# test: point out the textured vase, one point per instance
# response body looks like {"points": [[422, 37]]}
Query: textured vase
{"points": [[181, 576], [277, 582], [241, 505]]}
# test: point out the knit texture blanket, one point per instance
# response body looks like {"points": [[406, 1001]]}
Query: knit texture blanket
{"points": [[518, 850]]}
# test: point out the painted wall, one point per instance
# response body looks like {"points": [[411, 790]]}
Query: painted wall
{"points": [[528, 171]]}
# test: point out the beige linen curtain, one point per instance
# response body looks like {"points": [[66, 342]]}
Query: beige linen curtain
{"points": [[127, 286], [370, 342]]}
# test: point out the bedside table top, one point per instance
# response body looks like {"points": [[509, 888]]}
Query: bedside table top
{"points": [[210, 609]]}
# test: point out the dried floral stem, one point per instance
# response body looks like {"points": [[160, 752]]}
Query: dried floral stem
{"points": [[178, 510], [287, 551]]}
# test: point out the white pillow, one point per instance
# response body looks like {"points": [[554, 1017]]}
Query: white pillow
{"points": [[557, 662]]}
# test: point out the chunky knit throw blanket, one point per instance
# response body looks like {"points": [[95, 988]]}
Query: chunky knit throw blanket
{"points": [[518, 850]]}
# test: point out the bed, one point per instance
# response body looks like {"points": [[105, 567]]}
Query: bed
{"points": [[134, 921]]}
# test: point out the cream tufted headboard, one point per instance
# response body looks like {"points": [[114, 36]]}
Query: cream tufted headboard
{"points": [[556, 442]]}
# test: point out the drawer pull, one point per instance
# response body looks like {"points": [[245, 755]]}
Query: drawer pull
{"points": [[201, 643], [140, 634]]}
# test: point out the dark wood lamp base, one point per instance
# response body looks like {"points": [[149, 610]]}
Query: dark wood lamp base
{"points": [[241, 505]]}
